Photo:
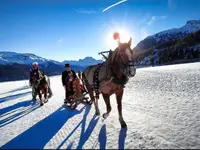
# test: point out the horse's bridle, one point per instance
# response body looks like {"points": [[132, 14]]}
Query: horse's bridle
{"points": [[130, 64]]}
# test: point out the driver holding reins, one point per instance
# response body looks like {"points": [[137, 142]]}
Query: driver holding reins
{"points": [[36, 72]]}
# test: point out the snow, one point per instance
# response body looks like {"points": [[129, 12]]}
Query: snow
{"points": [[160, 106], [171, 34]]}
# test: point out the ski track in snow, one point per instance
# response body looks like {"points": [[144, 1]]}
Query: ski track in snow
{"points": [[161, 106]]}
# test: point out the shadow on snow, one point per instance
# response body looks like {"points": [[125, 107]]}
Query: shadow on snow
{"points": [[103, 138], [85, 133], [17, 111], [11, 97], [41, 133], [15, 90]]}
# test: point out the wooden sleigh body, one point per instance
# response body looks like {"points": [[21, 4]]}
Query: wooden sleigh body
{"points": [[79, 95]]}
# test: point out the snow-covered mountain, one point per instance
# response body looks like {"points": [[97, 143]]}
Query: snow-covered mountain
{"points": [[7, 58], [11, 61], [182, 50], [168, 35], [87, 61]]}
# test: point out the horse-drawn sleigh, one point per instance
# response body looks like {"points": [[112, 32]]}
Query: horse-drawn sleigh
{"points": [[79, 93], [109, 78], [106, 78]]}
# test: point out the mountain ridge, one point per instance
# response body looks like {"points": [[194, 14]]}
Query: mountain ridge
{"points": [[191, 26], [22, 62], [9, 57]]}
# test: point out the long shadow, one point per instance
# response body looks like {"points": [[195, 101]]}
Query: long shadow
{"points": [[16, 106], [70, 145], [15, 90], [87, 110], [102, 137], [41, 133], [85, 134], [27, 107], [122, 138], [11, 97]]}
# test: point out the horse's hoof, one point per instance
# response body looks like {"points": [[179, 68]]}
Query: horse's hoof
{"points": [[41, 104], [123, 125], [46, 101], [73, 107], [97, 113], [90, 102], [105, 115]]}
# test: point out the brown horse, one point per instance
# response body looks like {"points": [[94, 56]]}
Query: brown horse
{"points": [[110, 77], [43, 89]]}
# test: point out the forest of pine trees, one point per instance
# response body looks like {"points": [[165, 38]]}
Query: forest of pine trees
{"points": [[186, 48]]}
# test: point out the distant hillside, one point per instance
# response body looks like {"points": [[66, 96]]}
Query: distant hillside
{"points": [[16, 66], [150, 42], [185, 49], [87, 61]]}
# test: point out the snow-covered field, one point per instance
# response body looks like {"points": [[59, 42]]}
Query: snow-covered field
{"points": [[161, 107]]}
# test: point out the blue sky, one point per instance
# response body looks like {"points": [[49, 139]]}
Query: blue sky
{"points": [[73, 29]]}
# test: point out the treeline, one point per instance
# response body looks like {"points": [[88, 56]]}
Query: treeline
{"points": [[187, 47]]}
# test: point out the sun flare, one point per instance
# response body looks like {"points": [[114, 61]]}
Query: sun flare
{"points": [[124, 37]]}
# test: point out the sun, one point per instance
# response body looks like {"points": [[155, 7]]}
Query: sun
{"points": [[124, 37]]}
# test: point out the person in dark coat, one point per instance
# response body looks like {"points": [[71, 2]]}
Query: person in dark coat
{"points": [[67, 77]]}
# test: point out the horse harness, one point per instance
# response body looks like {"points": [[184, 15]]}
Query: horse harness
{"points": [[96, 81]]}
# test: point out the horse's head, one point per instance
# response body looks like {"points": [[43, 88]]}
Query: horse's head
{"points": [[123, 56], [36, 76], [36, 81]]}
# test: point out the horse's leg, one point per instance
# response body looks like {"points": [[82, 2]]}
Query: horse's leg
{"points": [[106, 98], [40, 96], [91, 93], [119, 105], [34, 93], [96, 107], [46, 92]]}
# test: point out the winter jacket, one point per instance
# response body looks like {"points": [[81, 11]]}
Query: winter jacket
{"points": [[65, 76]]}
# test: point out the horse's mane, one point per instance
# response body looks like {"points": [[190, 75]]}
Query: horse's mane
{"points": [[112, 56]]}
